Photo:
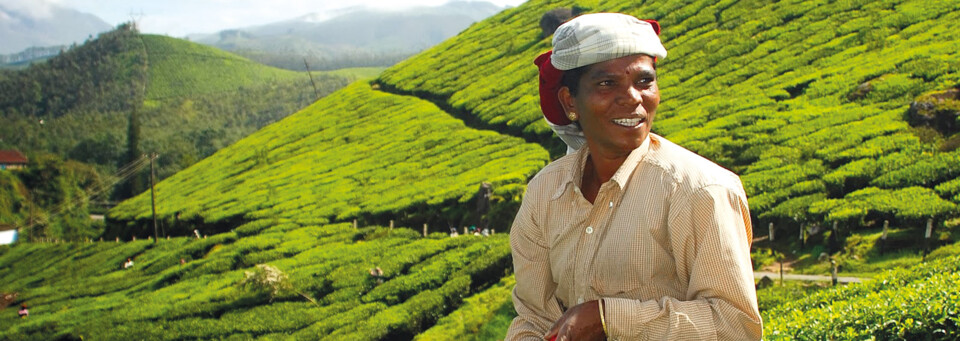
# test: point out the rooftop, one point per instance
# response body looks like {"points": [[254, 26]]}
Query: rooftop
{"points": [[12, 157]]}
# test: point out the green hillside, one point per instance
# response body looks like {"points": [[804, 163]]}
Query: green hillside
{"points": [[200, 99], [49, 199], [809, 102], [832, 112], [178, 68], [356, 154], [191, 99]]}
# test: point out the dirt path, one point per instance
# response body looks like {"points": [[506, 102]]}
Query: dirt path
{"points": [[798, 277]]}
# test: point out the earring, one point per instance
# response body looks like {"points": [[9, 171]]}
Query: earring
{"points": [[572, 116]]}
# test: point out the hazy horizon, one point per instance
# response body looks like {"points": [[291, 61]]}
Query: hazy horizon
{"points": [[179, 18]]}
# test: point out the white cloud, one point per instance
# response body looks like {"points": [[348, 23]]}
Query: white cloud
{"points": [[32, 8]]}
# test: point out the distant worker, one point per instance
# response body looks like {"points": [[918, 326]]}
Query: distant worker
{"points": [[377, 274], [128, 264], [483, 204], [23, 312]]}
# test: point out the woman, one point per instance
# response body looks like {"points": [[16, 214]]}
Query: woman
{"points": [[631, 236]]}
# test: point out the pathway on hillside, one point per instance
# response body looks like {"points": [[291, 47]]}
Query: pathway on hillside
{"points": [[548, 141], [799, 277]]}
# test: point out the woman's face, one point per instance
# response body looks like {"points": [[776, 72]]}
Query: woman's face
{"points": [[616, 103]]}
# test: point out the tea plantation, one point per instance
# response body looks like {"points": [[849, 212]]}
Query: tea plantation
{"points": [[356, 154], [80, 290], [191, 99], [810, 102], [831, 111]]}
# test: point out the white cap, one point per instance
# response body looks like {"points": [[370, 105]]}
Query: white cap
{"points": [[599, 37]]}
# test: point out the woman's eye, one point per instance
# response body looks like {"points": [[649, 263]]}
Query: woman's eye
{"points": [[606, 83]]}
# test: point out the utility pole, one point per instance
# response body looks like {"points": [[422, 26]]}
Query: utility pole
{"points": [[315, 92], [153, 201]]}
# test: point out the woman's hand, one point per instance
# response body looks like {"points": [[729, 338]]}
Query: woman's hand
{"points": [[580, 323]]}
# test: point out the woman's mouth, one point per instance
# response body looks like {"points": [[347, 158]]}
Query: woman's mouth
{"points": [[628, 122]]}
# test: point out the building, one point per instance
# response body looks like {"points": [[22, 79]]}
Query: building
{"points": [[8, 234], [12, 159]]}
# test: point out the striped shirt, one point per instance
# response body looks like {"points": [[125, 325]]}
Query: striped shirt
{"points": [[666, 244]]}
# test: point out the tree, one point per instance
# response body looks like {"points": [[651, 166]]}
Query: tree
{"points": [[135, 184]]}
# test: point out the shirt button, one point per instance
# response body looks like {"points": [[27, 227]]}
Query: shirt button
{"points": [[611, 204], [580, 300], [589, 229], [576, 189]]}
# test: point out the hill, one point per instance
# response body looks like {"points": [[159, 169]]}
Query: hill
{"points": [[812, 104], [831, 112], [191, 100], [354, 37], [188, 100], [357, 154]]}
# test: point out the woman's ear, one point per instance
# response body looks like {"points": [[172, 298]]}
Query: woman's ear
{"points": [[567, 103]]}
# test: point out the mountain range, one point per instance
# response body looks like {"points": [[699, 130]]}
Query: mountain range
{"points": [[350, 38]]}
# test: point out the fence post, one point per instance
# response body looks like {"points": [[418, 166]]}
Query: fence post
{"points": [[833, 273], [354, 223], [770, 231], [391, 224], [883, 237], [802, 242], [424, 229]]}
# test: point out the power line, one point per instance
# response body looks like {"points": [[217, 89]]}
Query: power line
{"points": [[123, 173]]}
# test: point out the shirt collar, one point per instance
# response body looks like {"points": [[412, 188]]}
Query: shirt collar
{"points": [[573, 176]]}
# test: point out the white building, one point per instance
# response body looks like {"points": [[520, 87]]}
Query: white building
{"points": [[8, 235]]}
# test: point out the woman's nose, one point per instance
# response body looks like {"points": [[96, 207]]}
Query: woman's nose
{"points": [[631, 96]]}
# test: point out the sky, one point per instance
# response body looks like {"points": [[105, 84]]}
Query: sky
{"points": [[178, 18]]}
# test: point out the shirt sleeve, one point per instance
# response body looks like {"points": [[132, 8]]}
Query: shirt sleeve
{"points": [[721, 302], [534, 295]]}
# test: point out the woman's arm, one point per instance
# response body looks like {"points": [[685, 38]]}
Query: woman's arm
{"points": [[533, 296], [711, 246], [721, 302]]}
